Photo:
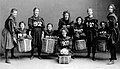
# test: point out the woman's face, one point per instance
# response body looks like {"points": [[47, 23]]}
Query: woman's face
{"points": [[22, 25], [79, 21], [103, 25], [111, 9], [64, 33], [90, 11], [14, 13], [36, 12], [49, 27], [66, 16]]}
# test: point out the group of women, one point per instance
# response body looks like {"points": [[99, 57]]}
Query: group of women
{"points": [[68, 32]]}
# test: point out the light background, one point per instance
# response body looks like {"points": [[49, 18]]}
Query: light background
{"points": [[51, 10]]}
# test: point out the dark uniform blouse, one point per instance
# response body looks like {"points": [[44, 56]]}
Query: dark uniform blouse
{"points": [[65, 42], [36, 25], [79, 32], [91, 27], [103, 34], [113, 27], [66, 24], [8, 33], [49, 33], [24, 31], [10, 25]]}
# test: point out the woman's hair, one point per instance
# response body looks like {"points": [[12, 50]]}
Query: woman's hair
{"points": [[65, 13], [64, 29], [89, 8], [80, 18], [21, 23], [49, 24], [114, 8], [35, 9], [13, 9]]}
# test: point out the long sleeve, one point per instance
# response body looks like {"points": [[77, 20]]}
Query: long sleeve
{"points": [[30, 24], [59, 24], [96, 27], [11, 27], [85, 25], [96, 24], [43, 24]]}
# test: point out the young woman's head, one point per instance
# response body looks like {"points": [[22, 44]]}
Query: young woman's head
{"points": [[66, 15], [90, 11], [36, 11], [79, 20], [103, 24], [49, 26], [64, 32], [13, 12], [111, 8], [22, 24]]}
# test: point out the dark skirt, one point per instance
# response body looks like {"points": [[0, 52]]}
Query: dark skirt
{"points": [[36, 35], [113, 36]]}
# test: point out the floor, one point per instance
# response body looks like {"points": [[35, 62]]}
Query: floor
{"points": [[80, 62]]}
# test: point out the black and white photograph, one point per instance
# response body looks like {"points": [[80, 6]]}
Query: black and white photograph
{"points": [[59, 34]]}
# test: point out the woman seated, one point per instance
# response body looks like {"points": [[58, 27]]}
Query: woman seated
{"points": [[79, 32], [102, 36], [79, 36], [103, 31], [49, 33], [65, 43], [50, 40], [24, 37], [22, 31]]}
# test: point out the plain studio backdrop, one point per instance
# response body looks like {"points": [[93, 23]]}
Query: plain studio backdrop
{"points": [[51, 10]]}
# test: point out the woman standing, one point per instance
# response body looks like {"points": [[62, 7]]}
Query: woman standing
{"points": [[36, 26], [66, 22], [9, 36], [91, 28], [113, 31]]}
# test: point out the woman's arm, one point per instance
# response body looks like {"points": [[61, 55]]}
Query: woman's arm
{"points": [[30, 24]]}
